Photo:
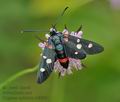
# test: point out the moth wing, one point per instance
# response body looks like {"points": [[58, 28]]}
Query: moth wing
{"points": [[73, 52], [89, 47], [46, 64]]}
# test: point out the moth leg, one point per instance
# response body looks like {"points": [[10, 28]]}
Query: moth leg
{"points": [[83, 65]]}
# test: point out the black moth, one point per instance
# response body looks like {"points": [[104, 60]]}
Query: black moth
{"points": [[62, 49], [61, 46]]}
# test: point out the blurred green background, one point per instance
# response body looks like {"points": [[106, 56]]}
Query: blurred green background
{"points": [[99, 82]]}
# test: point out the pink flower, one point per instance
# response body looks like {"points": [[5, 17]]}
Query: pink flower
{"points": [[115, 4], [73, 64], [79, 34], [41, 45]]}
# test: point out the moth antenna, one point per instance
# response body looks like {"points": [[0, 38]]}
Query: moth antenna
{"points": [[79, 29], [54, 27], [37, 37], [65, 26], [64, 11], [59, 18], [22, 31]]}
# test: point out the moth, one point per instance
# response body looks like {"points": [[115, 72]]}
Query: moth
{"points": [[64, 48], [63, 51]]}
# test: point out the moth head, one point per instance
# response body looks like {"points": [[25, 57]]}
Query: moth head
{"points": [[53, 31]]}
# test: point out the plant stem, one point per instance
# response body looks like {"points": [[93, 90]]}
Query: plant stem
{"points": [[17, 75]]}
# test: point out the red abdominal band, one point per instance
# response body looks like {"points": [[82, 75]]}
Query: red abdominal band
{"points": [[63, 60]]}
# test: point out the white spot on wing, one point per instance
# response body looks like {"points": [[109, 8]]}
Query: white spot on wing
{"points": [[79, 46], [44, 57], [76, 53], [48, 61], [78, 40], [42, 69], [90, 45]]}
